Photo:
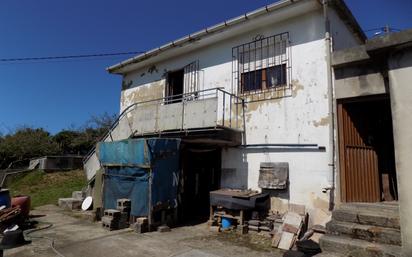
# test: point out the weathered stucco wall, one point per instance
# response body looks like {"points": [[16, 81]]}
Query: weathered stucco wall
{"points": [[298, 117], [400, 77], [358, 80]]}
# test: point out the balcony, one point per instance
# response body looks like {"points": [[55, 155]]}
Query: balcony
{"points": [[199, 111], [211, 116]]}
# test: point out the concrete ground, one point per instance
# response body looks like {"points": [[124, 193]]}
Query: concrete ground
{"points": [[78, 237]]}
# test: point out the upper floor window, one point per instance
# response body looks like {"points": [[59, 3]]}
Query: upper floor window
{"points": [[182, 84], [261, 65]]}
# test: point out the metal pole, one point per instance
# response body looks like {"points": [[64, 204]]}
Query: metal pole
{"points": [[331, 104], [149, 220]]}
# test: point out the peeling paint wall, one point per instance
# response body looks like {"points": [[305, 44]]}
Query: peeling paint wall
{"points": [[150, 91], [297, 117], [301, 118]]}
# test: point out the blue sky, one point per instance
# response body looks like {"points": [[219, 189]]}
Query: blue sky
{"points": [[56, 95]]}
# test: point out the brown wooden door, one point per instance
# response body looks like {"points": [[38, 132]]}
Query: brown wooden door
{"points": [[359, 171]]}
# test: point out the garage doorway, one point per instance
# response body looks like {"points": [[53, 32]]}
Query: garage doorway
{"points": [[366, 150], [201, 169]]}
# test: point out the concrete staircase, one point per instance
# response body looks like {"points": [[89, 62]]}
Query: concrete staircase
{"points": [[364, 229]]}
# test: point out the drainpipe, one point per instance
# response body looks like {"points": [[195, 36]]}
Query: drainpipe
{"points": [[328, 51]]}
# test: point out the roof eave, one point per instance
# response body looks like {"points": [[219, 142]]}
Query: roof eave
{"points": [[116, 69], [346, 15], [339, 5]]}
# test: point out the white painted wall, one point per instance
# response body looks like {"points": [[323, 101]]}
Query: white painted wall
{"points": [[300, 118], [342, 37]]}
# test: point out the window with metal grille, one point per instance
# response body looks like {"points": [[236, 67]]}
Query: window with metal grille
{"points": [[261, 65], [183, 84]]}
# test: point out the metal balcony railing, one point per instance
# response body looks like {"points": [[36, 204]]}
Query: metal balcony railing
{"points": [[204, 109]]}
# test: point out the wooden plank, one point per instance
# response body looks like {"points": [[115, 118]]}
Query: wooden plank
{"points": [[286, 241], [293, 219], [291, 229], [386, 188], [298, 208], [276, 239]]}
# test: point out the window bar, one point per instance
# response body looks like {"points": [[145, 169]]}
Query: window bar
{"points": [[274, 55], [195, 73], [224, 105], [237, 113], [193, 78], [230, 111], [198, 76], [289, 68], [248, 66], [185, 80], [243, 67], [280, 62], [255, 66], [190, 80], [267, 51], [239, 78], [233, 69]]}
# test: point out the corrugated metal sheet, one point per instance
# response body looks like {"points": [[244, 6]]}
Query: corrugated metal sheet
{"points": [[144, 170], [358, 160], [362, 179]]}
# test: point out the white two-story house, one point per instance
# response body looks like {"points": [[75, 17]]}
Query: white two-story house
{"points": [[252, 90]]}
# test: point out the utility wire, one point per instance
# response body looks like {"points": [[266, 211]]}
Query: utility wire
{"points": [[66, 57], [382, 29], [91, 59]]}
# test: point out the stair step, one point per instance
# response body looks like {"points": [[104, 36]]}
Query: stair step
{"points": [[329, 254], [365, 232], [357, 248], [386, 217], [387, 207]]}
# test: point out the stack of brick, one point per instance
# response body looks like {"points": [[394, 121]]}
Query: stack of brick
{"points": [[141, 225], [115, 219], [124, 206]]}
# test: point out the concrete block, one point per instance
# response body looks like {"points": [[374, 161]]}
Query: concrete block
{"points": [[79, 195], [163, 228], [123, 209], [70, 203], [123, 202], [365, 232], [367, 217], [113, 213], [142, 220], [140, 227], [357, 248]]}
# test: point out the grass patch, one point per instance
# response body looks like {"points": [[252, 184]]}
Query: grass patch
{"points": [[46, 188]]}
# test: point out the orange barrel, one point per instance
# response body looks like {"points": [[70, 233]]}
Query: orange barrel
{"points": [[24, 202]]}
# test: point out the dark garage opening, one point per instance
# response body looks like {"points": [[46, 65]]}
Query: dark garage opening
{"points": [[201, 169]]}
